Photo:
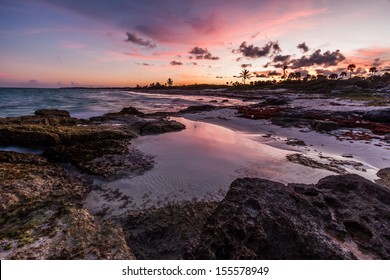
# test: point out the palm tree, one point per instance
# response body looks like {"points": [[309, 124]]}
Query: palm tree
{"points": [[169, 82], [343, 74], [373, 70], [350, 68], [291, 76], [245, 75], [284, 71]]}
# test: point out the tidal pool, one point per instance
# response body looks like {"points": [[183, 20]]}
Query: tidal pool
{"points": [[197, 164]]}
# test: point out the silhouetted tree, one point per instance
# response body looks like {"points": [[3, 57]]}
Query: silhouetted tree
{"points": [[291, 76], [169, 82], [343, 74], [333, 76], [350, 68], [284, 71], [373, 70], [294, 76], [245, 75]]}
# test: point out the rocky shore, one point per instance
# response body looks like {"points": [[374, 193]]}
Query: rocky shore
{"points": [[42, 212]]}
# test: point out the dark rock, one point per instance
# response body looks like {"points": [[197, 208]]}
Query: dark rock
{"points": [[341, 217], [382, 116], [42, 214], [198, 108], [27, 135], [309, 162], [325, 125], [130, 111], [165, 233], [295, 142], [47, 136], [125, 114], [347, 155], [61, 119], [107, 158], [52, 112], [162, 126], [276, 101]]}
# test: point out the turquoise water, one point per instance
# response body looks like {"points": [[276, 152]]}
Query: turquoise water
{"points": [[85, 103]]}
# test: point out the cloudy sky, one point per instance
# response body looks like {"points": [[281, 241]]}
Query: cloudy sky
{"points": [[53, 43]]}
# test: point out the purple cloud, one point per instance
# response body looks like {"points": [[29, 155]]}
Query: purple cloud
{"points": [[175, 63], [201, 53], [131, 37], [325, 59], [269, 49], [303, 47]]}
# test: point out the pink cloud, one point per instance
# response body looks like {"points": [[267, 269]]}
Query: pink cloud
{"points": [[367, 56]]}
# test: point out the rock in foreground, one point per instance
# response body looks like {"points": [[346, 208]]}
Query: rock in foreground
{"points": [[342, 217], [42, 214]]}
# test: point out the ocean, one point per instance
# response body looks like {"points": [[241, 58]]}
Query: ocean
{"points": [[85, 103]]}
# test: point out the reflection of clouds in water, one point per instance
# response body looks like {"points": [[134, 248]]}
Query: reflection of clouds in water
{"points": [[200, 162]]}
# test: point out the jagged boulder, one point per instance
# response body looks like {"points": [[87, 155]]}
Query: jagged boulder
{"points": [[341, 217]]}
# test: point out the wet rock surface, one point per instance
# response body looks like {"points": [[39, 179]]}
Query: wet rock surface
{"points": [[42, 217], [341, 217], [165, 233]]}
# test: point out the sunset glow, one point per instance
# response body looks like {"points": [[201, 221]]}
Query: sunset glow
{"points": [[61, 43]]}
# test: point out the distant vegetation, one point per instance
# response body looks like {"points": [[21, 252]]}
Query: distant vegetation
{"points": [[318, 83]]}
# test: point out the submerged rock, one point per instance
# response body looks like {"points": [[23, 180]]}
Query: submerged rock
{"points": [[341, 217], [42, 214]]}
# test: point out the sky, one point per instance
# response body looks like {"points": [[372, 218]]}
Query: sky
{"points": [[62, 43]]}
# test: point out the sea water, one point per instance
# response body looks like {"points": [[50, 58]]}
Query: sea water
{"points": [[85, 103]]}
